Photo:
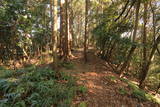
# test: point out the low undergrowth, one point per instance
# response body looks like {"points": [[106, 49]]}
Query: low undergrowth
{"points": [[67, 65], [36, 87], [138, 93], [133, 90]]}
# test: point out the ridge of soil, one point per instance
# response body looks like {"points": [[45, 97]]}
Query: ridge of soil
{"points": [[101, 91]]}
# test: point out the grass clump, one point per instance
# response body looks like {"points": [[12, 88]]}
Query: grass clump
{"points": [[112, 78], [141, 94], [136, 92], [67, 65], [83, 104], [5, 73], [124, 80], [37, 87], [82, 89], [122, 91]]}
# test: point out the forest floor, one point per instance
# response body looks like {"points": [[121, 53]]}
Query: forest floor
{"points": [[105, 88]]}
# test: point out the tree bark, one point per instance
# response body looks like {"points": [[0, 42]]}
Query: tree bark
{"points": [[86, 30], [144, 40], [62, 28], [53, 11], [66, 49]]}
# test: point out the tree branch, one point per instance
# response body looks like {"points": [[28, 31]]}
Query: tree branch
{"points": [[125, 7]]}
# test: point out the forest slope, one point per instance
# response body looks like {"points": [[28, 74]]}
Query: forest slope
{"points": [[105, 88]]}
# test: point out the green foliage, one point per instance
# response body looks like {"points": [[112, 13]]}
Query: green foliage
{"points": [[38, 87], [124, 80], [5, 73], [136, 92], [67, 65], [141, 94], [109, 35], [82, 89], [112, 78], [122, 91], [82, 104], [153, 78], [23, 30]]}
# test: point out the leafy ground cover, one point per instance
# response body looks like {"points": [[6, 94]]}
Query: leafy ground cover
{"points": [[38, 87]]}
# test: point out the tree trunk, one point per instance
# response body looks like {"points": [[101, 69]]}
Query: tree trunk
{"points": [[66, 45], [54, 17], [64, 31], [86, 30], [71, 18], [158, 88], [62, 28], [146, 67], [144, 62], [133, 39]]}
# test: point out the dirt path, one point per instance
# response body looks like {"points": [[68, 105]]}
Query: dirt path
{"points": [[102, 92]]}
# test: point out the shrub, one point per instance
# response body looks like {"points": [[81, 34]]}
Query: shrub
{"points": [[37, 87]]}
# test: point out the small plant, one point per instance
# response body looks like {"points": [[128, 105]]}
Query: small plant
{"points": [[68, 65], [139, 94], [112, 78], [83, 104], [124, 80], [122, 91], [82, 89]]}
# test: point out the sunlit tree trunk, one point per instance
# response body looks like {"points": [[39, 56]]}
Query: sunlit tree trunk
{"points": [[62, 27], [64, 31], [86, 30], [53, 11], [71, 18]]}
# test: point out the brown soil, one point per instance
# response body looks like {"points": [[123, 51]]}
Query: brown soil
{"points": [[102, 91]]}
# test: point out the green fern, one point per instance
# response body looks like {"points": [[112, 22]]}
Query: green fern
{"points": [[38, 87]]}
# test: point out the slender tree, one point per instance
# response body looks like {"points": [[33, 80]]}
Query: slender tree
{"points": [[147, 62], [124, 65], [144, 37], [86, 30], [66, 49]]}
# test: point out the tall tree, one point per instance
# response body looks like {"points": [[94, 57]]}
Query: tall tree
{"points": [[147, 62], [66, 49], [86, 30], [53, 12], [64, 30], [62, 26], [144, 37]]}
